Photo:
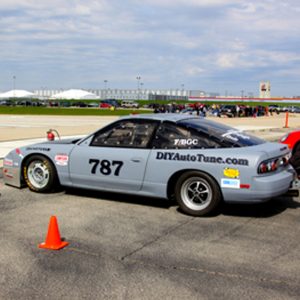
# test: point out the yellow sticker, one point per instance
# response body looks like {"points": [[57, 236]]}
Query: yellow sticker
{"points": [[231, 173]]}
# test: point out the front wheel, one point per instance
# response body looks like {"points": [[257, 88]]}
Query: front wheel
{"points": [[40, 174], [197, 193], [295, 159]]}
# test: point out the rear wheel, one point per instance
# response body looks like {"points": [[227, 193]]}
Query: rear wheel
{"points": [[197, 193], [40, 174]]}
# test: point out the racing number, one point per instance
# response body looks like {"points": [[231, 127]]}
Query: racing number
{"points": [[106, 167]]}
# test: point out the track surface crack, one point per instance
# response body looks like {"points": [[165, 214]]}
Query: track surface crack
{"points": [[153, 241]]}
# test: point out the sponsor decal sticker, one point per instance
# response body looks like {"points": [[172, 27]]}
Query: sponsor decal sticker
{"points": [[201, 158], [7, 174], [231, 173], [235, 135], [8, 162], [186, 142], [37, 149], [61, 159], [230, 183]]}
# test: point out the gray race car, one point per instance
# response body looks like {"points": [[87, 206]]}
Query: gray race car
{"points": [[197, 161]]}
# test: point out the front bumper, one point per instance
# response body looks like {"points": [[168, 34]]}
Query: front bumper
{"points": [[12, 176]]}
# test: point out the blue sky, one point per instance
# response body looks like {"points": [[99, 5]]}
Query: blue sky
{"points": [[224, 46]]}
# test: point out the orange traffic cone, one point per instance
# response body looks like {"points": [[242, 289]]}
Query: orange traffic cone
{"points": [[53, 240]]}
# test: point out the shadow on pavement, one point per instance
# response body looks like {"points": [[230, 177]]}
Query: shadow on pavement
{"points": [[123, 198], [261, 210]]}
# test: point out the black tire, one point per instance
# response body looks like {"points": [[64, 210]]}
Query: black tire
{"points": [[197, 193], [295, 159], [296, 148], [40, 174]]}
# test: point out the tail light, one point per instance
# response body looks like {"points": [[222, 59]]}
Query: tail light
{"points": [[271, 165]]}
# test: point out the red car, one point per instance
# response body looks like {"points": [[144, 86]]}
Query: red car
{"points": [[292, 140], [105, 105]]}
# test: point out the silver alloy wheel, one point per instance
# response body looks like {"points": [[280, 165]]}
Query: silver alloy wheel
{"points": [[38, 174], [196, 193]]}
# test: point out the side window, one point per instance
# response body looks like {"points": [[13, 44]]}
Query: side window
{"points": [[173, 136], [167, 134], [129, 133], [142, 134]]}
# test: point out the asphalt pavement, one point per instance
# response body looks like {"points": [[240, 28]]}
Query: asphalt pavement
{"points": [[128, 247]]}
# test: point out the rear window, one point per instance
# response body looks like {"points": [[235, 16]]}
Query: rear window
{"points": [[224, 134]]}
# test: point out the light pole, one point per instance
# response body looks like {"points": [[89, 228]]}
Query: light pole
{"points": [[14, 85], [142, 84], [105, 88], [138, 86]]}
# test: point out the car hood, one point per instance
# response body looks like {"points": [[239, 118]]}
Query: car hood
{"points": [[62, 142]]}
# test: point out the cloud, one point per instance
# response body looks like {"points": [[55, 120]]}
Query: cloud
{"points": [[196, 3], [194, 70], [165, 41]]}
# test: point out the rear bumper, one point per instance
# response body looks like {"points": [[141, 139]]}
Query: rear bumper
{"points": [[263, 188]]}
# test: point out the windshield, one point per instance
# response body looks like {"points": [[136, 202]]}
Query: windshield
{"points": [[223, 133]]}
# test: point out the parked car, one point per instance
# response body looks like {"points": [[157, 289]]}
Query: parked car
{"points": [[93, 104], [189, 111], [196, 161], [292, 109], [105, 105], [296, 109], [274, 108], [228, 110], [111, 102], [24, 103], [79, 104], [129, 104], [6, 103]]}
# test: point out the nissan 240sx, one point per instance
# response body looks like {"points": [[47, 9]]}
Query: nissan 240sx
{"points": [[194, 160]]}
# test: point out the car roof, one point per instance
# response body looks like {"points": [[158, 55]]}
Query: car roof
{"points": [[172, 117]]}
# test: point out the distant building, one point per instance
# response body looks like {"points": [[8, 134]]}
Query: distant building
{"points": [[131, 94], [264, 89]]}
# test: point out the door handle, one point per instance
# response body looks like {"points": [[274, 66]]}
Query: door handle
{"points": [[136, 159]]}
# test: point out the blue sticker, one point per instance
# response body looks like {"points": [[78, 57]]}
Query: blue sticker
{"points": [[230, 183]]}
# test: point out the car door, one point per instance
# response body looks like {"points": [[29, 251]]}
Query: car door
{"points": [[115, 158]]}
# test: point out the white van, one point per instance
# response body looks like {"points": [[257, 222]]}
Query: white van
{"points": [[129, 104]]}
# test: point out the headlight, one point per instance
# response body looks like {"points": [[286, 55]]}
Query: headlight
{"points": [[284, 138]]}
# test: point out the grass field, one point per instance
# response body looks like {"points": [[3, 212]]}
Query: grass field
{"points": [[68, 111], [38, 110]]}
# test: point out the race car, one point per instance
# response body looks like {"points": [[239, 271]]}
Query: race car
{"points": [[194, 160], [292, 140]]}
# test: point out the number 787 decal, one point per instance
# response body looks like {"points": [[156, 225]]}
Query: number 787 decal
{"points": [[105, 166]]}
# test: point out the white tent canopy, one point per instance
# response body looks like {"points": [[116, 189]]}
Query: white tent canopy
{"points": [[17, 94], [75, 94]]}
